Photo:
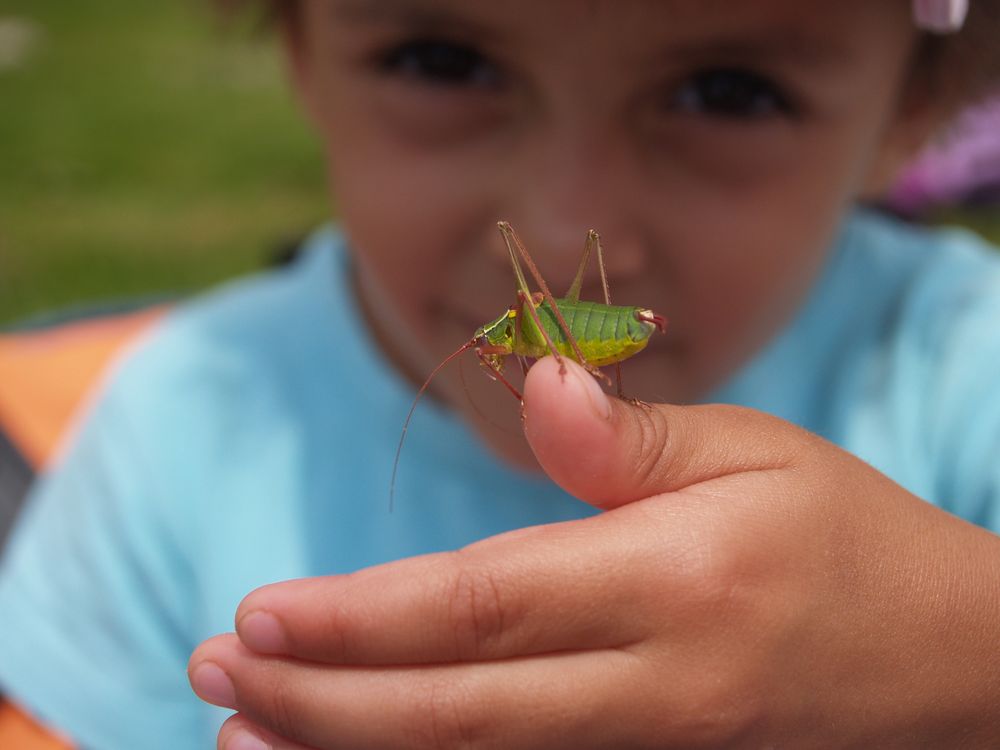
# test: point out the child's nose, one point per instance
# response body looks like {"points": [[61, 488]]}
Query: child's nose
{"points": [[570, 183], [555, 234], [557, 245]]}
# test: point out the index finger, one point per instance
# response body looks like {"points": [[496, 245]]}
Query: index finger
{"points": [[535, 591]]}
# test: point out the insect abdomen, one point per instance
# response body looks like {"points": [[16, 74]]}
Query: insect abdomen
{"points": [[605, 333]]}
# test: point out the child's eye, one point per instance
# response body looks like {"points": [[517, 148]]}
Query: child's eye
{"points": [[730, 93], [441, 63]]}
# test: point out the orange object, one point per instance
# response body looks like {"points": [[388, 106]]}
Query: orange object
{"points": [[19, 731], [46, 374]]}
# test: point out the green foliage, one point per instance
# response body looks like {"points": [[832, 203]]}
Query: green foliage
{"points": [[143, 149]]}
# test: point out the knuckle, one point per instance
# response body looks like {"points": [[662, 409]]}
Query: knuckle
{"points": [[336, 645], [710, 577], [280, 711], [476, 612], [447, 722], [708, 703], [713, 711], [697, 594], [651, 449]]}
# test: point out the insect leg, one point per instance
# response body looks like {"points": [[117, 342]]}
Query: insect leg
{"points": [[481, 352], [512, 242], [574, 289], [593, 238], [530, 306]]}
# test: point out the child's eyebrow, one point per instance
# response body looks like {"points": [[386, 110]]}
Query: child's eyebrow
{"points": [[406, 13], [772, 46], [777, 45]]}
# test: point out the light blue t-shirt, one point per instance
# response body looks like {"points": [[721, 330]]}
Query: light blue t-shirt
{"points": [[251, 438]]}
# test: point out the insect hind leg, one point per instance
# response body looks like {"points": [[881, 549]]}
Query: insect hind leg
{"points": [[512, 241], [593, 244], [530, 305]]}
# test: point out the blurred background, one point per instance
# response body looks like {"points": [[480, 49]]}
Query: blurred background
{"points": [[144, 151], [147, 151]]}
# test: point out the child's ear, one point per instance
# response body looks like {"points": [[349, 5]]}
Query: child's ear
{"points": [[917, 119]]}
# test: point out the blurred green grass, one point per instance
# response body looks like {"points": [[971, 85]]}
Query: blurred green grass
{"points": [[143, 150]]}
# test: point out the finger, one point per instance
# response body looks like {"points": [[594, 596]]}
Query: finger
{"points": [[609, 452], [239, 733], [537, 702], [493, 600]]}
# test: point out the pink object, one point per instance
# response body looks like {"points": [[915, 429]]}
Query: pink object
{"points": [[962, 164], [940, 16]]}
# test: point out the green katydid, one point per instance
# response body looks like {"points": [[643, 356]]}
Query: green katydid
{"points": [[538, 325]]}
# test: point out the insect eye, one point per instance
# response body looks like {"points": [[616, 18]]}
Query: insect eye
{"points": [[731, 93], [441, 62]]}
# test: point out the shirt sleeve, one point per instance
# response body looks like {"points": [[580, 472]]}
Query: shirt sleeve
{"points": [[95, 590]]}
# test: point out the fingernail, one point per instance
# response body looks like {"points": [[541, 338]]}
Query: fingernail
{"points": [[243, 740], [213, 685], [598, 398], [260, 631]]}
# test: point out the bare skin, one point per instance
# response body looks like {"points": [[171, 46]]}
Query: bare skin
{"points": [[750, 585], [737, 593]]}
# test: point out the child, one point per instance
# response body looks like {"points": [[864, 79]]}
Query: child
{"points": [[751, 584]]}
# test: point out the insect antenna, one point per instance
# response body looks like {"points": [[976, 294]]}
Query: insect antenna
{"points": [[399, 449]]}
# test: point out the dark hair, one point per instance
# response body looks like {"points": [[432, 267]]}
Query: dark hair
{"points": [[956, 70], [953, 70]]}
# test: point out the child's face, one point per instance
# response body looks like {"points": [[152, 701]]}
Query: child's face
{"points": [[714, 145]]}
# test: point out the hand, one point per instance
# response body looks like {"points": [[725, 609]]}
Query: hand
{"points": [[751, 585]]}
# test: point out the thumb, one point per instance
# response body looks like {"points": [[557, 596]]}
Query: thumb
{"points": [[609, 452]]}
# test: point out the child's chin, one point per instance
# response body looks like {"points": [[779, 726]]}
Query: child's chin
{"points": [[506, 440]]}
